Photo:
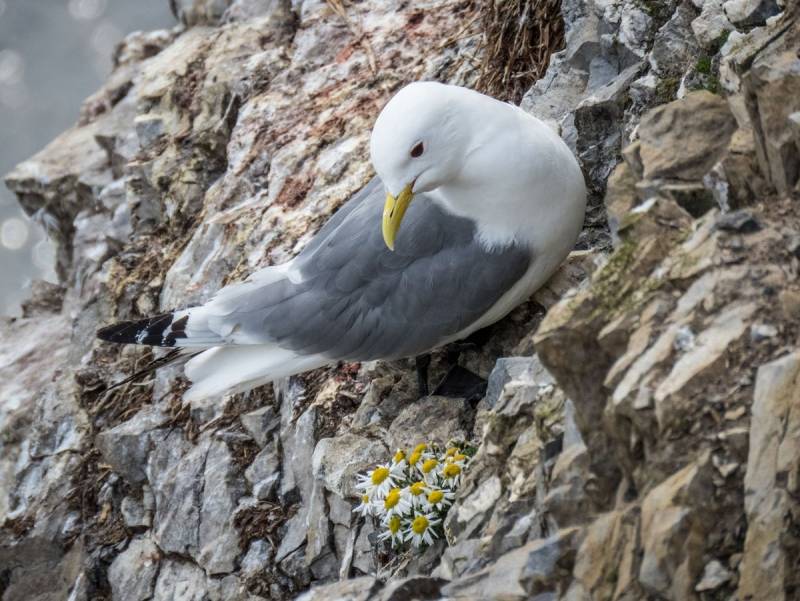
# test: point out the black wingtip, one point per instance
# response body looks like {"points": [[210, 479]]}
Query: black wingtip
{"points": [[146, 331], [122, 332]]}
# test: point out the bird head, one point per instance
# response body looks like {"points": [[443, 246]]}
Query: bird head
{"points": [[418, 144]]}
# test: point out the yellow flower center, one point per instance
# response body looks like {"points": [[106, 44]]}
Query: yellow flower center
{"points": [[365, 498], [420, 447], [399, 456], [429, 465], [451, 451], [415, 457], [379, 475], [451, 470], [435, 496], [459, 457], [420, 524], [392, 499], [417, 488], [394, 524]]}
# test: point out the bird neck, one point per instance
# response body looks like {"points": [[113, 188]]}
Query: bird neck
{"points": [[520, 184]]}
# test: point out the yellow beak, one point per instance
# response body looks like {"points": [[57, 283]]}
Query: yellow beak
{"points": [[393, 212]]}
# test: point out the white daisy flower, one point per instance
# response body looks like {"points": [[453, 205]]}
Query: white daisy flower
{"points": [[416, 493], [399, 460], [439, 499], [365, 508], [418, 456], [393, 531], [379, 481], [451, 474], [458, 458], [430, 470], [395, 503], [421, 530]]}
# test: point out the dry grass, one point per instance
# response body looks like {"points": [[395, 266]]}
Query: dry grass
{"points": [[519, 36], [262, 521]]}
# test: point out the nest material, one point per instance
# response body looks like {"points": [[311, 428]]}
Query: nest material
{"points": [[518, 38]]}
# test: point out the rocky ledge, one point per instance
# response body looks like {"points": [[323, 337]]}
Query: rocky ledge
{"points": [[639, 437]]}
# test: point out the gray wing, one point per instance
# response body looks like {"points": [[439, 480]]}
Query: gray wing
{"points": [[358, 301]]}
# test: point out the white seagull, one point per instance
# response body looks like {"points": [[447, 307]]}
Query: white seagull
{"points": [[491, 201]]}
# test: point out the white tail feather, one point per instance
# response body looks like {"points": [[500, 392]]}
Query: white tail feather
{"points": [[228, 369]]}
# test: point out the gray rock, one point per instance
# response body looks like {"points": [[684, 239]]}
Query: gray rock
{"points": [[672, 518], [774, 451], [769, 85], [325, 565], [38, 569], [126, 447], [295, 536], [175, 471], [257, 558], [743, 222], [701, 123], [229, 588], [364, 559], [750, 13], [458, 559], [277, 10], [390, 390], [714, 576], [149, 128], [134, 512], [179, 581], [298, 441], [567, 500], [263, 473], [338, 460], [432, 420], [762, 331], [296, 567], [599, 124], [344, 544], [572, 434], [712, 23], [218, 542], [357, 589], [340, 510], [318, 538], [422, 562], [674, 47], [196, 491], [261, 424], [474, 509], [133, 572], [199, 12], [507, 369], [412, 587], [530, 570]]}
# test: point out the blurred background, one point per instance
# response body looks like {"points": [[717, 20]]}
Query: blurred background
{"points": [[53, 54]]}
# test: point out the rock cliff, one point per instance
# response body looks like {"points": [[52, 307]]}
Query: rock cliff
{"points": [[639, 437]]}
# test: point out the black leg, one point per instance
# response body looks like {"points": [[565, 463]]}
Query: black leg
{"points": [[422, 362], [459, 382]]}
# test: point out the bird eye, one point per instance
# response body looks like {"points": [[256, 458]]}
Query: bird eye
{"points": [[417, 150]]}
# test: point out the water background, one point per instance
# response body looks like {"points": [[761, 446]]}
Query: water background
{"points": [[53, 54]]}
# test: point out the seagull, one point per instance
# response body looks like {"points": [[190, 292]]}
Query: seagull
{"points": [[474, 205]]}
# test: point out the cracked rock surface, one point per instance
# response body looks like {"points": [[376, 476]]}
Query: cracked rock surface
{"points": [[638, 437]]}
